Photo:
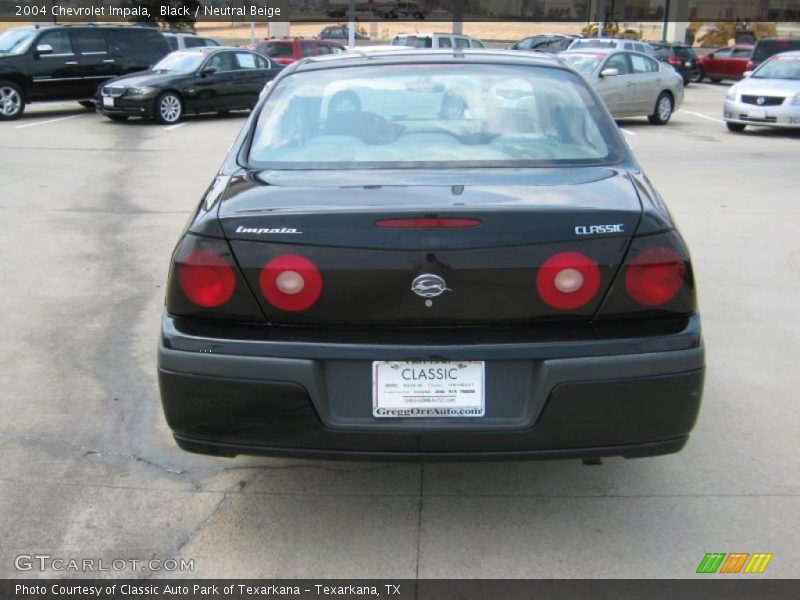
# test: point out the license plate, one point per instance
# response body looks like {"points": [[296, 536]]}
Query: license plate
{"points": [[108, 101], [757, 113], [688, 63], [428, 389]]}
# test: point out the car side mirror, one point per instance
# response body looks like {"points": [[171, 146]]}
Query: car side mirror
{"points": [[609, 72], [208, 71], [747, 74], [44, 49]]}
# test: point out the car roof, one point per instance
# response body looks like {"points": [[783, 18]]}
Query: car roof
{"points": [[591, 50], [791, 53], [211, 49], [427, 34], [354, 57], [570, 35], [612, 39]]}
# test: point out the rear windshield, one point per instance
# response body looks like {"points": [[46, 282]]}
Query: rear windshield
{"points": [[413, 41], [684, 52], [766, 48], [277, 50], [432, 115]]}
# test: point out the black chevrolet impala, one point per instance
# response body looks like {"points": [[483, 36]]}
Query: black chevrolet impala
{"points": [[431, 253], [199, 80]]}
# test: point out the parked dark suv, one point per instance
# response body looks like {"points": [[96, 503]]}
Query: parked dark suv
{"points": [[767, 47], [683, 58], [68, 62], [550, 43]]}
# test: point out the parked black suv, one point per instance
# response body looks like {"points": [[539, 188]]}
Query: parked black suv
{"points": [[683, 58], [767, 47], [69, 62]]}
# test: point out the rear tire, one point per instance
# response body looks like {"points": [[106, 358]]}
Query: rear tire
{"points": [[12, 103], [699, 77], [735, 127], [663, 110], [169, 108]]}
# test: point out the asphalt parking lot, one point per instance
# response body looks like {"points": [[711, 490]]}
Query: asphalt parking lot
{"points": [[91, 210]]}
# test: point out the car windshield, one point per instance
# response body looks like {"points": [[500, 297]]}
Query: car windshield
{"points": [[779, 67], [432, 115], [583, 63], [16, 41], [180, 62], [413, 41]]}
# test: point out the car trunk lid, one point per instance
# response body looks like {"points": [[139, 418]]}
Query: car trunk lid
{"points": [[508, 225]]}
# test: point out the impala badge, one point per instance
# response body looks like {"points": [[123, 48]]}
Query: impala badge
{"points": [[428, 285]]}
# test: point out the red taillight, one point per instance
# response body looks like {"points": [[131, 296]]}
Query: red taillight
{"points": [[206, 278], [568, 280], [655, 276], [427, 223], [290, 282], [674, 60]]}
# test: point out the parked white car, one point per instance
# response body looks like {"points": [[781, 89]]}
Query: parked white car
{"points": [[618, 43], [769, 96], [436, 40]]}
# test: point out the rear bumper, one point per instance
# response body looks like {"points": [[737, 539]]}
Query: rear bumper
{"points": [[543, 401]]}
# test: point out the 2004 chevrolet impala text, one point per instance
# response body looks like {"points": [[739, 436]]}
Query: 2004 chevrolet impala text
{"points": [[431, 253]]}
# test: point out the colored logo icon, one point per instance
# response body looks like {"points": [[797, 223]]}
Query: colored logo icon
{"points": [[735, 562]]}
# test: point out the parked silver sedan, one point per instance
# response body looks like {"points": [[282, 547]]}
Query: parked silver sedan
{"points": [[632, 84], [770, 96]]}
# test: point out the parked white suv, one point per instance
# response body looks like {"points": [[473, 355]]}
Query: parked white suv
{"points": [[179, 40], [619, 43], [436, 40]]}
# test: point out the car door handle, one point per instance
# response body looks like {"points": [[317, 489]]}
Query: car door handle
{"points": [[71, 62], [629, 84], [108, 60]]}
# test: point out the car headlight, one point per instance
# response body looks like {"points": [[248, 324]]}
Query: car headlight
{"points": [[731, 95], [796, 100], [140, 91]]}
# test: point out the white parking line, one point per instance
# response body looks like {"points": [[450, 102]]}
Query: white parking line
{"points": [[174, 126], [702, 116], [628, 131], [48, 121]]}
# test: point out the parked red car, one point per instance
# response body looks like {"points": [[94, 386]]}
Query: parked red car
{"points": [[725, 63], [285, 51]]}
